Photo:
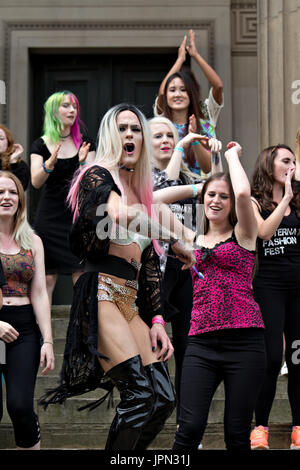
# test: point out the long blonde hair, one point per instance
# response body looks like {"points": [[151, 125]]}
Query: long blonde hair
{"points": [[22, 231], [163, 120]]}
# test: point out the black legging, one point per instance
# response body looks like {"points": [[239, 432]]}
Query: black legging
{"points": [[20, 371], [281, 314], [178, 290], [236, 357]]}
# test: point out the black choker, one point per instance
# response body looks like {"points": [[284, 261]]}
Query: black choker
{"points": [[65, 136], [123, 167]]}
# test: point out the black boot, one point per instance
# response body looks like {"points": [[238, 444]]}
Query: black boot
{"points": [[135, 406], [164, 403]]}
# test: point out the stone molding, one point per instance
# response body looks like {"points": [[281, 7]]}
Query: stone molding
{"points": [[11, 27], [244, 29]]}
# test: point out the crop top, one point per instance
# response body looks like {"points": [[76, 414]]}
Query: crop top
{"points": [[224, 299], [123, 236], [19, 270]]}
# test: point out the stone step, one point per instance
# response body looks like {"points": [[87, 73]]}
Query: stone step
{"points": [[86, 436], [68, 412]]}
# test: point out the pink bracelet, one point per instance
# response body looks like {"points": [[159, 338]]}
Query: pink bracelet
{"points": [[158, 320]]}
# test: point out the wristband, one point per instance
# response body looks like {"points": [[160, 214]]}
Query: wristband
{"points": [[195, 190], [46, 170], [48, 342], [158, 320], [181, 149], [196, 142], [82, 163]]}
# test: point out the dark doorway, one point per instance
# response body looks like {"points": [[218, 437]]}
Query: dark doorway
{"points": [[99, 82]]}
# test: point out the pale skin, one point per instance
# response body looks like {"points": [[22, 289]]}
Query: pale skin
{"points": [[217, 205], [118, 339], [168, 159], [213, 78], [9, 201], [62, 150], [18, 149]]}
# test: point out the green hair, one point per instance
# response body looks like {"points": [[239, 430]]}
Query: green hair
{"points": [[52, 123]]}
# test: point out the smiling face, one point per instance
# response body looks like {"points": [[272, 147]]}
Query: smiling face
{"points": [[9, 198], [283, 161], [130, 130], [217, 201], [67, 111], [177, 96], [3, 142], [162, 140]]}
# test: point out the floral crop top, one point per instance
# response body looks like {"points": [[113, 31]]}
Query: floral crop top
{"points": [[19, 270]]}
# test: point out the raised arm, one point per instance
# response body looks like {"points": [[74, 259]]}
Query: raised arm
{"points": [[246, 228], [267, 227], [176, 67], [41, 170], [209, 72]]}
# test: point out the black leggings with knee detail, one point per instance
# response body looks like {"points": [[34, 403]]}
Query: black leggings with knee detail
{"points": [[281, 314], [20, 371]]}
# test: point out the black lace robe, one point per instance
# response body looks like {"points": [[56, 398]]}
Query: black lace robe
{"points": [[81, 371]]}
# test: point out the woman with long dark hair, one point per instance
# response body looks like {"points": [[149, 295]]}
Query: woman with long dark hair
{"points": [[179, 100], [226, 340], [276, 204]]}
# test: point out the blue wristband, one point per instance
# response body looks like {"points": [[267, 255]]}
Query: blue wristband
{"points": [[181, 149], [196, 142], [46, 169], [195, 190]]}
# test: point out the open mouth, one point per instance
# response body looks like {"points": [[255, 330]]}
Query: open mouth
{"points": [[165, 149], [129, 148]]}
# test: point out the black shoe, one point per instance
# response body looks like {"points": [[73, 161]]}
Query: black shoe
{"points": [[164, 403], [135, 406]]}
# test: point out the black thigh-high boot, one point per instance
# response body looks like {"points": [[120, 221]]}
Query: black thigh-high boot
{"points": [[164, 403], [135, 407]]}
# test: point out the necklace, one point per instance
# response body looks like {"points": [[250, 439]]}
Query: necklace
{"points": [[63, 137], [123, 167]]}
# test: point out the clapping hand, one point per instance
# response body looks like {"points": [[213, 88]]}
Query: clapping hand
{"points": [[83, 152]]}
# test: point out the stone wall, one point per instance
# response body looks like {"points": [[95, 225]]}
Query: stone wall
{"points": [[225, 32]]}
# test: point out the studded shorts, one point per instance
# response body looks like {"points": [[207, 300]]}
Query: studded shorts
{"points": [[119, 291]]}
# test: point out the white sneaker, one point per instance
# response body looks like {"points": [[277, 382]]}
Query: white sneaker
{"points": [[284, 370]]}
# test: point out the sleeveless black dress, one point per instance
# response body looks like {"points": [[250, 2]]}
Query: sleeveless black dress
{"points": [[53, 218]]}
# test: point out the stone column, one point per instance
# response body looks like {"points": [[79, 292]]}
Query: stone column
{"points": [[278, 71]]}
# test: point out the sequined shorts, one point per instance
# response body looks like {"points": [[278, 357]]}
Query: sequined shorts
{"points": [[119, 291]]}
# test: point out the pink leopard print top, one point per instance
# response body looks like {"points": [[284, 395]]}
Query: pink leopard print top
{"points": [[224, 299]]}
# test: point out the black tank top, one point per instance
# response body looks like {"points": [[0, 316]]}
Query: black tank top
{"points": [[279, 257]]}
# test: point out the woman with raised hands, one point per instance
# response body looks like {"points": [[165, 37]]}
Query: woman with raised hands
{"points": [[276, 204], [108, 343], [175, 184], [25, 315], [54, 158], [226, 341], [179, 100]]}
